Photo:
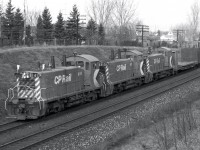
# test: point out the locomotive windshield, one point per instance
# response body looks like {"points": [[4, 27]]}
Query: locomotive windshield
{"points": [[70, 63], [73, 63]]}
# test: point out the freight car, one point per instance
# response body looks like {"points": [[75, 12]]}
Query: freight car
{"points": [[83, 78]]}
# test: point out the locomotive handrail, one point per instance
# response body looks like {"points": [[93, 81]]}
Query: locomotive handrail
{"points": [[17, 86], [8, 96], [10, 89], [41, 96]]}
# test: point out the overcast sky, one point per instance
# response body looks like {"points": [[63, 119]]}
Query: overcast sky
{"points": [[158, 14]]}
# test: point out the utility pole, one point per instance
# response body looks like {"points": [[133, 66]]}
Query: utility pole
{"points": [[24, 35], [0, 21], [142, 29], [1, 14], [77, 27], [178, 32]]}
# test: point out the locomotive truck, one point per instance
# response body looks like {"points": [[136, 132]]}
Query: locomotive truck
{"points": [[83, 78]]}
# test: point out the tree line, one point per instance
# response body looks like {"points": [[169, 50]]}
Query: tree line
{"points": [[111, 23], [16, 31]]}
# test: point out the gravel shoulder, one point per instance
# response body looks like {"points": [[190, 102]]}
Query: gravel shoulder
{"points": [[148, 138]]}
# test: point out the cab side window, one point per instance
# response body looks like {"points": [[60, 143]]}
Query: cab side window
{"points": [[80, 63], [70, 63], [94, 65]]}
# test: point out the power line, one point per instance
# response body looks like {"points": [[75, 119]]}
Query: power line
{"points": [[142, 29], [24, 35], [178, 32]]}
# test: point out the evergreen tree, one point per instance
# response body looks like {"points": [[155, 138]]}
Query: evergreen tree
{"points": [[39, 30], [18, 28], [91, 31], [101, 34], [29, 38], [47, 24], [59, 27], [73, 26], [1, 19], [8, 22]]}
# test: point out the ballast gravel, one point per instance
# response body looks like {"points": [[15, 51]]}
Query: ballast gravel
{"points": [[101, 130]]}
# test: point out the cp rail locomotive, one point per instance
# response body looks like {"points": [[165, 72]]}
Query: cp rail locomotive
{"points": [[83, 78]]}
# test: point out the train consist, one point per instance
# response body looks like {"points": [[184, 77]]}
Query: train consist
{"points": [[83, 78]]}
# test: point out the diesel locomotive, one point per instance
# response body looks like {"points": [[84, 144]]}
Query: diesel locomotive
{"points": [[82, 78]]}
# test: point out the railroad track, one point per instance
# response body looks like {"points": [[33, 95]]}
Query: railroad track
{"points": [[9, 126], [103, 109]]}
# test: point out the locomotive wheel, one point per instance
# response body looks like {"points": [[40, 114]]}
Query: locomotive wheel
{"points": [[156, 77], [148, 77], [47, 111], [120, 88], [61, 106], [94, 97]]}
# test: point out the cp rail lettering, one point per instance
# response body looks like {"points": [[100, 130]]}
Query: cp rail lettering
{"points": [[62, 78], [121, 67], [156, 60]]}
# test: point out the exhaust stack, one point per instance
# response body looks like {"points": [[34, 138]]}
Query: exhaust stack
{"points": [[53, 62], [64, 60], [112, 56], [119, 54]]}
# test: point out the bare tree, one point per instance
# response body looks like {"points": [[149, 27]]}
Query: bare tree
{"points": [[194, 18], [32, 17], [1, 15], [124, 12], [123, 15], [101, 10], [117, 16]]}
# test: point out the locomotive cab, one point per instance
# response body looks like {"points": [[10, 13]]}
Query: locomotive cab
{"points": [[89, 64], [171, 57]]}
